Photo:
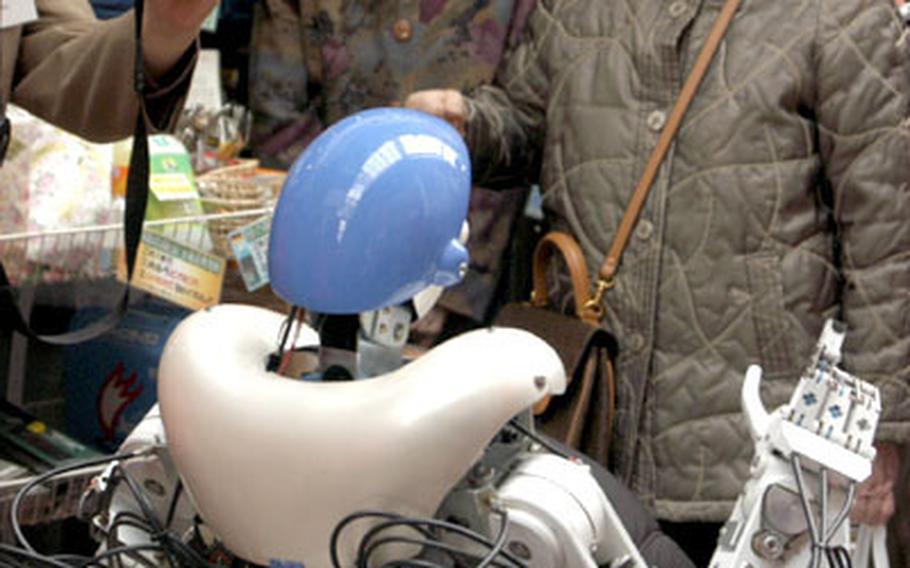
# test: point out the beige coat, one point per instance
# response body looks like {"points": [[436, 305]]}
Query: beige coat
{"points": [[784, 201], [77, 72]]}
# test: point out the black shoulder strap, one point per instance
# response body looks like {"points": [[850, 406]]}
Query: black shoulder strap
{"points": [[136, 199]]}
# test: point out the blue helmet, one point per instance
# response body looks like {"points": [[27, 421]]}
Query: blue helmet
{"points": [[371, 212]]}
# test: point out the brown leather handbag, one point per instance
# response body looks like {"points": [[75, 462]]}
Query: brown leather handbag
{"points": [[583, 416]]}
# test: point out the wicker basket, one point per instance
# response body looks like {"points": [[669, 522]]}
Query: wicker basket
{"points": [[231, 189]]}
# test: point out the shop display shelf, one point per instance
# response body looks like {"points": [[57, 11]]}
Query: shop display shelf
{"points": [[60, 255]]}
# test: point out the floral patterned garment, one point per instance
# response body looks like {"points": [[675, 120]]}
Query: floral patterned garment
{"points": [[315, 63]]}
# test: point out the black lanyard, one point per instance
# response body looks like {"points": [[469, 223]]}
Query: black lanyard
{"points": [[137, 189], [4, 136]]}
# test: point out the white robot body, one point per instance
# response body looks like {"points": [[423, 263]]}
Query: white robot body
{"points": [[559, 516], [273, 464]]}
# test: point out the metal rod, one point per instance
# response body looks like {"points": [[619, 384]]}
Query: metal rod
{"points": [[842, 515], [814, 561], [823, 497], [117, 227]]}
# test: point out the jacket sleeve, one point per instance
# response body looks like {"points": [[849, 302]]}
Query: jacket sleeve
{"points": [[507, 120], [285, 118], [77, 72], [862, 102]]}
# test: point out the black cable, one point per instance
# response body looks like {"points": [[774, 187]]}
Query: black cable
{"points": [[32, 556], [129, 515], [413, 563], [172, 508], [354, 517], [839, 557], [134, 556], [423, 523], [165, 541], [119, 551], [286, 331], [495, 549], [371, 549], [453, 552], [171, 543], [148, 512], [46, 476], [500, 542], [125, 518], [381, 527], [70, 558], [185, 553], [514, 423]]}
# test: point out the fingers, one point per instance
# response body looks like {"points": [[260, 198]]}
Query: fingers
{"points": [[875, 503], [874, 508], [447, 104], [426, 330]]}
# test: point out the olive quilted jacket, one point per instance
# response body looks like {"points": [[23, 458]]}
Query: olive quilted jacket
{"points": [[784, 201]]}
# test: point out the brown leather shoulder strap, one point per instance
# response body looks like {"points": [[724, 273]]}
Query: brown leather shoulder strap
{"points": [[621, 239], [568, 249]]}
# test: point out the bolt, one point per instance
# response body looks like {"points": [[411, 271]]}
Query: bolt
{"points": [[771, 544], [154, 487], [768, 545], [540, 382], [520, 549], [479, 474]]}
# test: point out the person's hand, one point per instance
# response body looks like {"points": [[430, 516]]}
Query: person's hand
{"points": [[426, 330], [874, 503], [447, 104], [169, 27]]}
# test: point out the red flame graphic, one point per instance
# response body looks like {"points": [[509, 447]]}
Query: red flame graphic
{"points": [[115, 395]]}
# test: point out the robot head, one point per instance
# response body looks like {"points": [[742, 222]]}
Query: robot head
{"points": [[371, 213]]}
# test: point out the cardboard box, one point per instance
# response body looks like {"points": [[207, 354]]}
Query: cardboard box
{"points": [[111, 382]]}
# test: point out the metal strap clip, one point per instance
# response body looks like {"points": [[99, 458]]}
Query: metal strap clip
{"points": [[595, 304]]}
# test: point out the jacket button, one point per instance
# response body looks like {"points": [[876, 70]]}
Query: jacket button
{"points": [[636, 342], [644, 230], [656, 120], [402, 30], [677, 8]]}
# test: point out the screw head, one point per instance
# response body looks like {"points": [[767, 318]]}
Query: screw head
{"points": [[154, 487], [768, 545], [520, 549]]}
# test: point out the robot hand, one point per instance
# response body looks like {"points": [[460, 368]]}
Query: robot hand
{"points": [[809, 456]]}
